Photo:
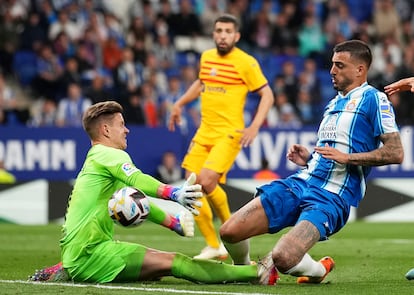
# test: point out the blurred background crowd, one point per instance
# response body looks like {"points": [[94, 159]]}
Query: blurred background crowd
{"points": [[59, 56]]}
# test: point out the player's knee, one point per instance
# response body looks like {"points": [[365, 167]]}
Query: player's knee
{"points": [[208, 185], [208, 180], [228, 233]]}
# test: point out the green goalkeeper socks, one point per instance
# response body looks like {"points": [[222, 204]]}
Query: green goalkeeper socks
{"points": [[210, 271]]}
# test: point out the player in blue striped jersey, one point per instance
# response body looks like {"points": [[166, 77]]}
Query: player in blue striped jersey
{"points": [[357, 131]]}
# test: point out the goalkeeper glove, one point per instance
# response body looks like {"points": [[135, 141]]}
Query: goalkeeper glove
{"points": [[186, 195]]}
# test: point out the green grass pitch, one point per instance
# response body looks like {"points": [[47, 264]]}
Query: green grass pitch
{"points": [[371, 258]]}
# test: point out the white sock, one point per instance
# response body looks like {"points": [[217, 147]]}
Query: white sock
{"points": [[307, 267], [239, 252]]}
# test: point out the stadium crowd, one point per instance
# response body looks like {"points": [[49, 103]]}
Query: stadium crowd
{"points": [[57, 57]]}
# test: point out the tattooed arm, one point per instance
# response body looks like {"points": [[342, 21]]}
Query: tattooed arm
{"points": [[391, 152]]}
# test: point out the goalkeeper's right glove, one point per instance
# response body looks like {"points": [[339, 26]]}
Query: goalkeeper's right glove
{"points": [[186, 195]]}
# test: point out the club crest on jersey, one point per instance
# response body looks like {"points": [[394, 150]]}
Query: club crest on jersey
{"points": [[213, 72], [128, 169], [351, 105]]}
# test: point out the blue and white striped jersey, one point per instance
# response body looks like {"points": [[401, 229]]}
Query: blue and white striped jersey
{"points": [[351, 124]]}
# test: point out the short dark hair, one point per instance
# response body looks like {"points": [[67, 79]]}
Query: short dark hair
{"points": [[98, 112], [358, 50], [228, 18]]}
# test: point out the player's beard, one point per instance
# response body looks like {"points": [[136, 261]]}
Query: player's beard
{"points": [[343, 85], [224, 50]]}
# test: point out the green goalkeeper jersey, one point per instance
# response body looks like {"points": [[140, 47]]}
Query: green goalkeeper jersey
{"points": [[87, 222]]}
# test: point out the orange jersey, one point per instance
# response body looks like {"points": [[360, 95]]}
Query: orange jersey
{"points": [[226, 81]]}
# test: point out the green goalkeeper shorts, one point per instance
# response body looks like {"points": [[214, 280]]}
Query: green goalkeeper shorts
{"points": [[111, 261]]}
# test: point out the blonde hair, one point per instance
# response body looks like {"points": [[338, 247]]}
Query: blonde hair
{"points": [[97, 113]]}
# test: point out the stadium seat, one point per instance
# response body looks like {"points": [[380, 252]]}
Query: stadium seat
{"points": [[24, 66], [273, 65], [184, 59], [361, 10]]}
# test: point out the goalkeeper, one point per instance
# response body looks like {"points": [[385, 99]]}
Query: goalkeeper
{"points": [[88, 251]]}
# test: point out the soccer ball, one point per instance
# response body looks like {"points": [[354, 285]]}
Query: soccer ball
{"points": [[128, 206]]}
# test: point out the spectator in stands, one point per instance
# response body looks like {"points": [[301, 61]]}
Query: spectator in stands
{"points": [[47, 15], [33, 35], [12, 112], [43, 113], [308, 79], [134, 111], [128, 76], [312, 39], [295, 13], [261, 32], [64, 24], [169, 171], [165, 14], [265, 173], [305, 107], [185, 22], [138, 31], [385, 51], [164, 52], [70, 75], [98, 90], [278, 85], [95, 21], [167, 99], [385, 20], [72, 107], [149, 104], [97, 27], [291, 82], [49, 73], [212, 10], [406, 69], [18, 9], [85, 12], [154, 74], [387, 76], [340, 21], [114, 28], [240, 9], [112, 54], [272, 9], [284, 38], [140, 52], [88, 53], [282, 114], [9, 41], [148, 14], [63, 46]]}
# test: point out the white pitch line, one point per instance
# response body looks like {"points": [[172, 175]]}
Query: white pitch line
{"points": [[128, 288]]}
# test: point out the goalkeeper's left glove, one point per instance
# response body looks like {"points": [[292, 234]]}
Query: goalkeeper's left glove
{"points": [[186, 195]]}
